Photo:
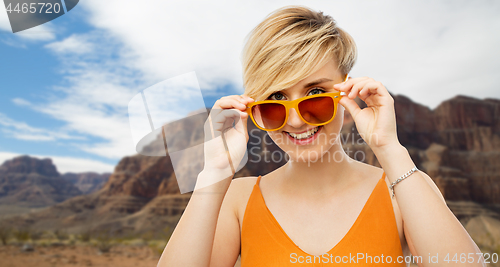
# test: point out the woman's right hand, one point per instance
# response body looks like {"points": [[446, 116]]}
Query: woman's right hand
{"points": [[193, 242], [226, 111]]}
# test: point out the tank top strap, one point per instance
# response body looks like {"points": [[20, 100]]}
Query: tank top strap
{"points": [[258, 180]]}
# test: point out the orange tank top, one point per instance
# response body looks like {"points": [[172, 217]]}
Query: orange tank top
{"points": [[373, 239]]}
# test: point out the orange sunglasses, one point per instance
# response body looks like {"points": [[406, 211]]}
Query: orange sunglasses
{"points": [[317, 110]]}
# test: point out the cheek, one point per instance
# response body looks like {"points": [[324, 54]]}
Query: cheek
{"points": [[332, 130], [338, 121]]}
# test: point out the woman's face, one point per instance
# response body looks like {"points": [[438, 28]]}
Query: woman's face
{"points": [[309, 147]]}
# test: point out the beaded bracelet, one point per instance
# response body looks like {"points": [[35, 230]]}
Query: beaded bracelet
{"points": [[410, 172]]}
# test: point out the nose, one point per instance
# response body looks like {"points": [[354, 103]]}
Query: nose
{"points": [[294, 120]]}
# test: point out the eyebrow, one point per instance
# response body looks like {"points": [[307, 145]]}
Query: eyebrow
{"points": [[313, 83]]}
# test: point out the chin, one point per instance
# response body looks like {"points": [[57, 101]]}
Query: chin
{"points": [[312, 155]]}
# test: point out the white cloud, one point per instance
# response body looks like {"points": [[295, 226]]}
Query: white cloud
{"points": [[448, 51], [38, 33], [67, 164], [96, 105], [421, 49], [75, 43], [427, 50], [22, 131], [206, 37], [21, 102]]}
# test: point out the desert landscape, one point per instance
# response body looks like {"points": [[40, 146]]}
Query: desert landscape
{"points": [[125, 218]]}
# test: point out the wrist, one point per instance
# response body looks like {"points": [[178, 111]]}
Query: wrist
{"points": [[395, 160], [388, 149], [220, 173], [213, 180]]}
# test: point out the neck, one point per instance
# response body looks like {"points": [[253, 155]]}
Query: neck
{"points": [[321, 177]]}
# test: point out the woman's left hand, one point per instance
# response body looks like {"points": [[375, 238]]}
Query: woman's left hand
{"points": [[377, 122]]}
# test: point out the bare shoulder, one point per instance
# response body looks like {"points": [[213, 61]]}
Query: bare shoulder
{"points": [[239, 191], [242, 185]]}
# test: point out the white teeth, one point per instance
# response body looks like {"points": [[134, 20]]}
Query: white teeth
{"points": [[304, 135]]}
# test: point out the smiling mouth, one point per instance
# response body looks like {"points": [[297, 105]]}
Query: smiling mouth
{"points": [[304, 135]]}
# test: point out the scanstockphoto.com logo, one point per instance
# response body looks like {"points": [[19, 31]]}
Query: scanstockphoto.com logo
{"points": [[25, 14]]}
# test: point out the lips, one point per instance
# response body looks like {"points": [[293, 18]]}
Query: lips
{"points": [[305, 137]]}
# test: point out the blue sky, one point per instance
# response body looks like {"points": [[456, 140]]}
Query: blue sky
{"points": [[65, 85], [30, 72]]}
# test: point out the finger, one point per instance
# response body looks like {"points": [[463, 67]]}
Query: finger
{"points": [[229, 103], [356, 88], [350, 105], [345, 86], [244, 99], [220, 127], [225, 119], [375, 93], [241, 98], [247, 97], [363, 93], [379, 89], [231, 97], [367, 90], [241, 124]]}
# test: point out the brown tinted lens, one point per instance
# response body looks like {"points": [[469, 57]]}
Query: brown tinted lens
{"points": [[269, 116], [317, 110]]}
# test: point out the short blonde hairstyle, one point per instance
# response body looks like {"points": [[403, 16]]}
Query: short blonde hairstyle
{"points": [[290, 44]]}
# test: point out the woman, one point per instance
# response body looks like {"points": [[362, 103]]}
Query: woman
{"points": [[321, 207]]}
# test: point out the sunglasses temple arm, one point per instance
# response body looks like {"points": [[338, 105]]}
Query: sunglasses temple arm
{"points": [[346, 78]]}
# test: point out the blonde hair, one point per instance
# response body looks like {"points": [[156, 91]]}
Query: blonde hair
{"points": [[289, 45]]}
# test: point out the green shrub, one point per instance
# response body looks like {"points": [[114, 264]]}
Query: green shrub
{"points": [[5, 233], [147, 237], [35, 235], [22, 234], [61, 235], [85, 236], [103, 241]]}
